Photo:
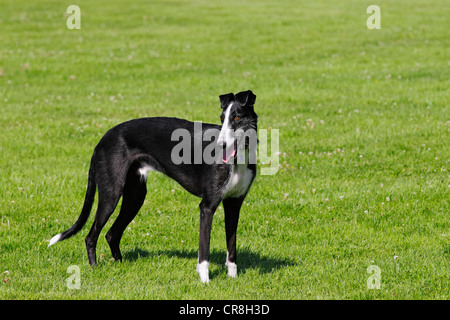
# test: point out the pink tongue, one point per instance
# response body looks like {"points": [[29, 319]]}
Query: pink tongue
{"points": [[224, 156]]}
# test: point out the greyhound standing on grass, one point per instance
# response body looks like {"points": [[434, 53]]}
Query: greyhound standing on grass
{"points": [[125, 154]]}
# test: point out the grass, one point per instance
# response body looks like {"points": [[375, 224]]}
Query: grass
{"points": [[364, 131]]}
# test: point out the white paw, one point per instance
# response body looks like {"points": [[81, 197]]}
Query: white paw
{"points": [[202, 270], [232, 269]]}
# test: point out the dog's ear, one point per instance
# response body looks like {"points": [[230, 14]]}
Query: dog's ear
{"points": [[225, 99], [246, 98]]}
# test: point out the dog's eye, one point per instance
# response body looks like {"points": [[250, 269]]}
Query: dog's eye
{"points": [[221, 119], [237, 118]]}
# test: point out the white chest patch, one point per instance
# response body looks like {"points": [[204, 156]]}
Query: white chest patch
{"points": [[239, 182]]}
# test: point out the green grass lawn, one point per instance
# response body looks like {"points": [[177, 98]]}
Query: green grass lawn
{"points": [[364, 130]]}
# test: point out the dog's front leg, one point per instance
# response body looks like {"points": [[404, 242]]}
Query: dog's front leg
{"points": [[207, 209], [232, 207]]}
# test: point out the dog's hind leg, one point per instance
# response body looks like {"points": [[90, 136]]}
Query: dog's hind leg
{"points": [[108, 197], [134, 193]]}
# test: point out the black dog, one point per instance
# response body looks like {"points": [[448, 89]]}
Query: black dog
{"points": [[128, 151]]}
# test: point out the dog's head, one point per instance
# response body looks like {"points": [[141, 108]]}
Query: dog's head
{"points": [[238, 120]]}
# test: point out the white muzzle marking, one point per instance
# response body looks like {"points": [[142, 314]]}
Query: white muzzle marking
{"points": [[226, 135]]}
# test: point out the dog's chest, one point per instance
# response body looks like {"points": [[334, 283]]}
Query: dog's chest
{"points": [[239, 181]]}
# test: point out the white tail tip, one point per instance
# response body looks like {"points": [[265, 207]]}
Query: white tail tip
{"points": [[54, 240]]}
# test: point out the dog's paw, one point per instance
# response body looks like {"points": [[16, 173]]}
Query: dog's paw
{"points": [[232, 269], [203, 271]]}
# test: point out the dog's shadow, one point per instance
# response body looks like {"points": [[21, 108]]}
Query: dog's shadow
{"points": [[247, 259]]}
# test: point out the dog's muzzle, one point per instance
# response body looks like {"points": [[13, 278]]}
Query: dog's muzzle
{"points": [[229, 152]]}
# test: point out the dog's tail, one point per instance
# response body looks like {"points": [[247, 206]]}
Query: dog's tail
{"points": [[87, 206]]}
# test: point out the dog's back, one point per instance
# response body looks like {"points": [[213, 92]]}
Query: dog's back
{"points": [[151, 144]]}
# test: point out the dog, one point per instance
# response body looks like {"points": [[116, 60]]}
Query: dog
{"points": [[128, 151]]}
